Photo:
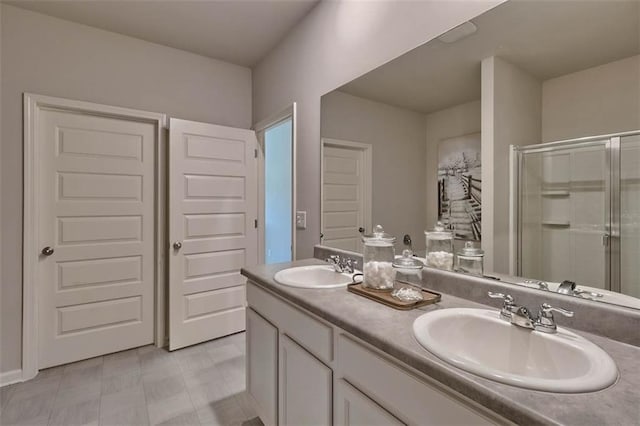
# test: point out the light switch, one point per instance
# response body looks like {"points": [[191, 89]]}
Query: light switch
{"points": [[301, 220]]}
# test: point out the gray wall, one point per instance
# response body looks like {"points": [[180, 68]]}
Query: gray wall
{"points": [[599, 100], [397, 137], [337, 42], [511, 115], [53, 57]]}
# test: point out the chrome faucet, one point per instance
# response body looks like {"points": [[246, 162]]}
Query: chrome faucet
{"points": [[567, 287], [522, 317], [570, 288], [342, 264], [541, 284]]}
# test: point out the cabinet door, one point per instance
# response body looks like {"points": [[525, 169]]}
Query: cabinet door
{"points": [[262, 366], [353, 408], [305, 387]]}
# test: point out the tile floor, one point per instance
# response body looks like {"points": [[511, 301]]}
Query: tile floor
{"points": [[199, 385]]}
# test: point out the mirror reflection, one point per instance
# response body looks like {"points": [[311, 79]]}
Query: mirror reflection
{"points": [[518, 131]]}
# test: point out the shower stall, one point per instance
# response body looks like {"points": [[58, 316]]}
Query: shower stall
{"points": [[575, 212]]}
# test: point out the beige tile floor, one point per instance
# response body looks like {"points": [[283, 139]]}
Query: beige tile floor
{"points": [[199, 385]]}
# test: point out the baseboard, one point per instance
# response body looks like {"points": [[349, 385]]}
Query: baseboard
{"points": [[10, 377]]}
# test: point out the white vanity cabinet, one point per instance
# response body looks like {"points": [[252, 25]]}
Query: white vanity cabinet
{"points": [[262, 366], [353, 408], [306, 396], [303, 371], [289, 356]]}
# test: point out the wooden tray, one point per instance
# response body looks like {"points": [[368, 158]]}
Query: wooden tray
{"points": [[385, 298]]}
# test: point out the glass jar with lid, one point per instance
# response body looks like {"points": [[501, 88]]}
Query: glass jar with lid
{"points": [[377, 260], [440, 248], [407, 268], [470, 260]]}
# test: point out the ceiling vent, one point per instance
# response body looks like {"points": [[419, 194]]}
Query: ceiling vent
{"points": [[459, 32]]}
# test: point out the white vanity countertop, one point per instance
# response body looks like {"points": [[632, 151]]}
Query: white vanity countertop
{"points": [[390, 331]]}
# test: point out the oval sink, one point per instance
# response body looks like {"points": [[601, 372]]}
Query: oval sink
{"points": [[478, 341], [314, 276]]}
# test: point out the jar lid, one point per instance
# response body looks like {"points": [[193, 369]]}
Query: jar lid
{"points": [[439, 232], [407, 261], [470, 250], [378, 237]]}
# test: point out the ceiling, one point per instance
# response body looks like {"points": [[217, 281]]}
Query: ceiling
{"points": [[238, 31], [547, 39]]}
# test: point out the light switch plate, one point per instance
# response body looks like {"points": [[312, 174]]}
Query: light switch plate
{"points": [[301, 220]]}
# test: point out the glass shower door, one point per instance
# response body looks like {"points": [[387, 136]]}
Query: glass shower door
{"points": [[563, 205], [630, 215]]}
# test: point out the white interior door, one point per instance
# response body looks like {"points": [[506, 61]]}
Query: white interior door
{"points": [[95, 185], [346, 193], [212, 208]]}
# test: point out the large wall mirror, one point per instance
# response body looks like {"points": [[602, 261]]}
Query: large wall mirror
{"points": [[518, 130]]}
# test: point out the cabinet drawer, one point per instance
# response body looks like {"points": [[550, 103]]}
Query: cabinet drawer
{"points": [[312, 334], [409, 398]]}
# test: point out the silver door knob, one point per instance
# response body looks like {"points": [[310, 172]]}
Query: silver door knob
{"points": [[177, 245], [47, 251]]}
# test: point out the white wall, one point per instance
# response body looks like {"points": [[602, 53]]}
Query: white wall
{"points": [[595, 101], [337, 42], [511, 115], [456, 121], [53, 57], [397, 137]]}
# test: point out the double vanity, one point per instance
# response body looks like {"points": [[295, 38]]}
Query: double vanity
{"points": [[318, 354]]}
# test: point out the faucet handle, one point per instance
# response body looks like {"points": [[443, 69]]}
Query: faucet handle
{"points": [[506, 312], [545, 321], [349, 265], [547, 310], [508, 299]]}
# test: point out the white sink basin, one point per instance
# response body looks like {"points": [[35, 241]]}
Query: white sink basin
{"points": [[478, 341], [314, 276]]}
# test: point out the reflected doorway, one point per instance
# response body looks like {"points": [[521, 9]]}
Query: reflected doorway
{"points": [[276, 165]]}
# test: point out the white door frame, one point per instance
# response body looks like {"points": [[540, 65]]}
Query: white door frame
{"points": [[260, 129], [30, 250], [367, 150]]}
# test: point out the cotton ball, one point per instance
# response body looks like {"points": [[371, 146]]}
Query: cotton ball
{"points": [[378, 274], [440, 260]]}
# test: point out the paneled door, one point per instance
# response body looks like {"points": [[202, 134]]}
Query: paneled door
{"points": [[346, 193], [95, 226], [212, 234]]}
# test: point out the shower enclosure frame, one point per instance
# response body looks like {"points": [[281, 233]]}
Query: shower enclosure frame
{"points": [[612, 195]]}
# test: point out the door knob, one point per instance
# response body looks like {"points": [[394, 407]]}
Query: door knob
{"points": [[47, 251], [177, 245]]}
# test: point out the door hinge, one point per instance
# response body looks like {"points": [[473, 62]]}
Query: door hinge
{"points": [[255, 223], [255, 153]]}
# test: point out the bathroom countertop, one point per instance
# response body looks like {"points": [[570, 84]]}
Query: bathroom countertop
{"points": [[390, 331]]}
